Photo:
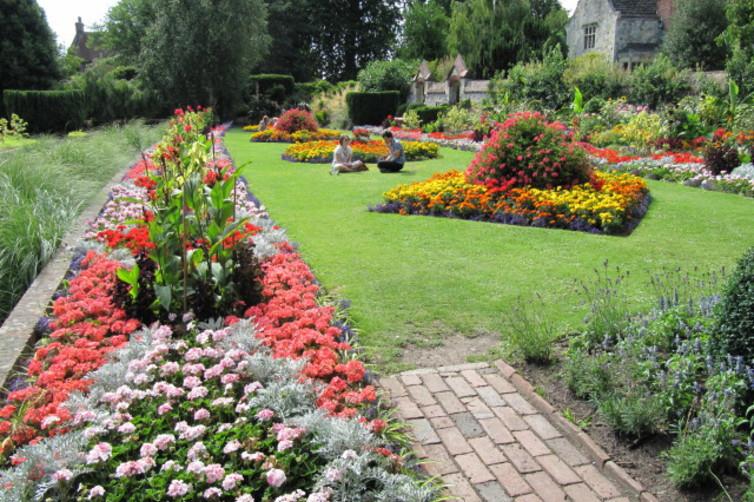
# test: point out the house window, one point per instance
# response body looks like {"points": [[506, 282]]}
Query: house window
{"points": [[590, 36]]}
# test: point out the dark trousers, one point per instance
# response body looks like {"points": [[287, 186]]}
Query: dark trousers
{"points": [[388, 166]]}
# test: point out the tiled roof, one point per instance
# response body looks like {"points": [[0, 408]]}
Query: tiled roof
{"points": [[636, 7]]}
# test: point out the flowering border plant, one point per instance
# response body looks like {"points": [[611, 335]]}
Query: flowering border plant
{"points": [[319, 152]]}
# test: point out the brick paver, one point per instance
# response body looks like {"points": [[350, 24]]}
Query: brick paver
{"points": [[481, 428]]}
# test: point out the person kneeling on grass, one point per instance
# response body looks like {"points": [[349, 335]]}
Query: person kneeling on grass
{"points": [[396, 157], [342, 158]]}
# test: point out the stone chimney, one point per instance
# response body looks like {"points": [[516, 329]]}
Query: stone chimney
{"points": [[79, 27], [665, 9]]}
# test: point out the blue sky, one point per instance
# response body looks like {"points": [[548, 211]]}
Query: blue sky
{"points": [[61, 15]]}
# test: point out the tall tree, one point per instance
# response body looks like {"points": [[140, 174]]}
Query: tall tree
{"points": [[691, 40], [739, 37], [493, 34], [350, 33], [291, 31], [202, 51], [425, 30], [28, 53], [126, 27]]}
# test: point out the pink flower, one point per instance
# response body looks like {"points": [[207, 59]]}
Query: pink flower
{"points": [[197, 393], [285, 444], [95, 492], [148, 450], [211, 493], [62, 475], [232, 446], [100, 453], [127, 428], [49, 420], [195, 467], [231, 481], [129, 469], [245, 498], [201, 414], [257, 456], [164, 408], [265, 415], [170, 368], [214, 472], [178, 488], [196, 451], [275, 478], [163, 441], [191, 381]]}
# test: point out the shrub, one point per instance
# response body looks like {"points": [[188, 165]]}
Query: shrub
{"points": [[372, 107], [641, 131], [267, 81], [47, 111], [529, 151], [735, 313], [411, 119], [392, 75], [595, 76], [659, 83], [529, 333], [538, 82], [428, 114], [296, 120], [457, 119], [721, 154], [305, 91]]}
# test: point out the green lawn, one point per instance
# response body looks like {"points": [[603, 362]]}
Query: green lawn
{"points": [[413, 280]]}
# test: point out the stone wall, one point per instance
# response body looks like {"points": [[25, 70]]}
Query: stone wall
{"points": [[587, 12], [637, 39]]}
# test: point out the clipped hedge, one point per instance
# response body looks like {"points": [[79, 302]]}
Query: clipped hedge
{"points": [[428, 114], [47, 111], [372, 107], [267, 81], [735, 312]]}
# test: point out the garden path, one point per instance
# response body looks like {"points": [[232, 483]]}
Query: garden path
{"points": [[490, 437]]}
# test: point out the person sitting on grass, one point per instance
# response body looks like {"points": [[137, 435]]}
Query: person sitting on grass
{"points": [[264, 123], [342, 159], [396, 157]]}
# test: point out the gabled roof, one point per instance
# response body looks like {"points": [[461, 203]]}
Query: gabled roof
{"points": [[638, 8], [424, 72], [459, 68]]}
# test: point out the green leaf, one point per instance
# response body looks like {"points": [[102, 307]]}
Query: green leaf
{"points": [[164, 295]]}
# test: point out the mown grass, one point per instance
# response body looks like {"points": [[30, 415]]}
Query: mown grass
{"points": [[43, 186], [413, 280]]}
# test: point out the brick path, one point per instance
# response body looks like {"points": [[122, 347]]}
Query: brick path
{"points": [[490, 437]]}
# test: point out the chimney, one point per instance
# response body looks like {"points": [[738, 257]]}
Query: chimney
{"points": [[665, 10], [79, 27]]}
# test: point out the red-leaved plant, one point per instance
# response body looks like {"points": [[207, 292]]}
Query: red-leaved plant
{"points": [[296, 119], [527, 150]]}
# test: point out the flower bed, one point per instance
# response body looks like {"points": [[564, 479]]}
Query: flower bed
{"points": [[192, 409], [612, 203], [462, 141], [278, 136], [368, 151], [676, 167]]}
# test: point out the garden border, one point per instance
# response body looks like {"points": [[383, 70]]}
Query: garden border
{"points": [[17, 333]]}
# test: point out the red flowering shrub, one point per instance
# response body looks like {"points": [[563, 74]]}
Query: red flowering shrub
{"points": [[86, 326], [526, 150], [296, 120]]}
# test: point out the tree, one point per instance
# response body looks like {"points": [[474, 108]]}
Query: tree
{"points": [[493, 35], [392, 75], [27, 47], [425, 31], [691, 39], [739, 37], [202, 51], [126, 27], [347, 34]]}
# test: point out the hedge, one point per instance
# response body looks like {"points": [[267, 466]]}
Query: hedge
{"points": [[428, 114], [372, 107], [47, 111], [267, 81], [305, 91]]}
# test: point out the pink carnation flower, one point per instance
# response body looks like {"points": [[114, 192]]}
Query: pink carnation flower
{"points": [[275, 478], [178, 488]]}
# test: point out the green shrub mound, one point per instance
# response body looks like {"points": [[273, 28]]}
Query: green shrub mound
{"points": [[735, 313], [47, 111], [428, 114], [268, 82], [372, 108]]}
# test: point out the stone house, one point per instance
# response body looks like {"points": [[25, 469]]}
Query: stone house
{"points": [[454, 88], [628, 32], [85, 44]]}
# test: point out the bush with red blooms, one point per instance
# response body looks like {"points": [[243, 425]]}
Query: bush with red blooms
{"points": [[720, 153], [527, 150], [294, 325], [86, 326], [296, 119]]}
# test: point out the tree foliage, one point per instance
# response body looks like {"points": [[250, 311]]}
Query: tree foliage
{"points": [[493, 35], [27, 47], [392, 75], [126, 27], [739, 37], [691, 40], [202, 51], [425, 30], [291, 30]]}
